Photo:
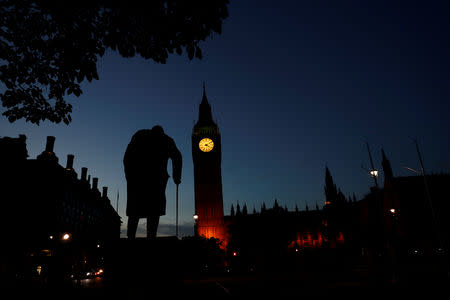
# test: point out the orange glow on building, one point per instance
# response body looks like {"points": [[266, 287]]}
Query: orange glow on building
{"points": [[307, 240], [310, 240], [217, 232]]}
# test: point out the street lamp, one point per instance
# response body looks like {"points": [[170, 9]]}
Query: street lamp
{"points": [[374, 173], [66, 237], [195, 217]]}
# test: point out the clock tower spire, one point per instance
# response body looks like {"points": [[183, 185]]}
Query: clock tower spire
{"points": [[207, 158], [205, 114]]}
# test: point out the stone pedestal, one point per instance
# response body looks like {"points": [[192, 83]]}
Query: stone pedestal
{"points": [[147, 266]]}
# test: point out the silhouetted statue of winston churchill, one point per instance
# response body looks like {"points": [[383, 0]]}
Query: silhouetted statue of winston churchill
{"points": [[145, 163]]}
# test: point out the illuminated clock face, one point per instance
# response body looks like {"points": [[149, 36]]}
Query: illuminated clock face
{"points": [[206, 145]]}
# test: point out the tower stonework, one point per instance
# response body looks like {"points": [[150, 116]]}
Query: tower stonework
{"points": [[207, 158]]}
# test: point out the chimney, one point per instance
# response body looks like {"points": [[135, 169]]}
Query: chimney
{"points": [[48, 153], [94, 183], [69, 165], [105, 192], [50, 143], [83, 173]]}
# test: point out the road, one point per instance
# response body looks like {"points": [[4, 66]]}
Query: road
{"points": [[279, 284], [312, 283]]}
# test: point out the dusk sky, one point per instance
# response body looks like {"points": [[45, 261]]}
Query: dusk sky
{"points": [[293, 85]]}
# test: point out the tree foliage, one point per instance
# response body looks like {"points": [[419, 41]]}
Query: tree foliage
{"points": [[47, 48]]}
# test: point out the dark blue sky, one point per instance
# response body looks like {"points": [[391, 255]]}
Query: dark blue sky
{"points": [[293, 85]]}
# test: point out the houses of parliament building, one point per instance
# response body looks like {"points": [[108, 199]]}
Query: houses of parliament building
{"points": [[399, 212]]}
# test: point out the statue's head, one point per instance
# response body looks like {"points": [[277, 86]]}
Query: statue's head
{"points": [[158, 130]]}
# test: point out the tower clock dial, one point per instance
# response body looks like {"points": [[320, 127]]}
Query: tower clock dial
{"points": [[206, 145]]}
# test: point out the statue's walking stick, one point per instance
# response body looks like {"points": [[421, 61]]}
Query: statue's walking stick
{"points": [[176, 217]]}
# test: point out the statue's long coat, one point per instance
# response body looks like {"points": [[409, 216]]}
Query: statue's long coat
{"points": [[145, 163]]}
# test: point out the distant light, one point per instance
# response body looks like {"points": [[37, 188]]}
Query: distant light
{"points": [[234, 253], [51, 237], [374, 173], [98, 245], [392, 210], [195, 217], [99, 272], [66, 236]]}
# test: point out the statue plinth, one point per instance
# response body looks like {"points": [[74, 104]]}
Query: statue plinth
{"points": [[151, 265]]}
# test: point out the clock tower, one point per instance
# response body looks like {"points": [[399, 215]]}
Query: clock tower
{"points": [[207, 157]]}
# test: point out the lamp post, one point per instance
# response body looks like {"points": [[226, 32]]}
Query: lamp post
{"points": [[376, 227], [374, 174], [195, 217]]}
